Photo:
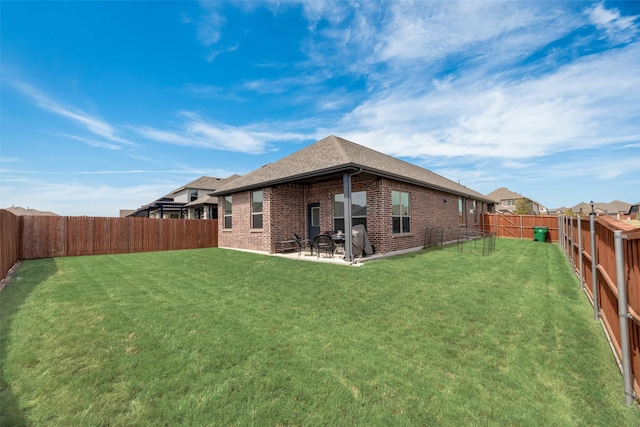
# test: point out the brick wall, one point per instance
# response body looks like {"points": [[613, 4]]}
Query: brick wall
{"points": [[285, 213], [241, 235], [288, 215]]}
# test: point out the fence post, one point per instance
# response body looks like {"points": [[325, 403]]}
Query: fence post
{"points": [[572, 246], [623, 314], [594, 267], [560, 233], [564, 235], [580, 266]]}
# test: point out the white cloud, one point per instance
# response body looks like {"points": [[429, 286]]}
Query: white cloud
{"points": [[73, 198], [92, 142], [210, 25], [200, 133], [93, 124], [617, 28], [565, 110], [10, 160], [68, 196]]}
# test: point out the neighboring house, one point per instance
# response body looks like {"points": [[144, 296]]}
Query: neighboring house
{"points": [[308, 193], [19, 211], [195, 196], [615, 208], [189, 201], [507, 201], [557, 211], [164, 207], [634, 209]]}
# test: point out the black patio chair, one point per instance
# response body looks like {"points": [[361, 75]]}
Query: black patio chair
{"points": [[302, 244], [323, 242]]}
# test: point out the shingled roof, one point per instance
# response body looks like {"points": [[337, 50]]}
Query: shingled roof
{"points": [[333, 156], [504, 193], [206, 183]]}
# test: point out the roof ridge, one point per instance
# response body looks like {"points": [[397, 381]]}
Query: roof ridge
{"points": [[340, 145]]}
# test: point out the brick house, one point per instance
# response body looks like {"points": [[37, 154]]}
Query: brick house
{"points": [[190, 201], [308, 193], [508, 202]]}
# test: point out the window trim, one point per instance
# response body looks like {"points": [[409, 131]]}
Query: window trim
{"points": [[401, 216]]}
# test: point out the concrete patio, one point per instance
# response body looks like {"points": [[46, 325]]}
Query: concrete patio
{"points": [[338, 257]]}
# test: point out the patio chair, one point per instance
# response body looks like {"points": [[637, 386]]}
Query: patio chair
{"points": [[302, 244], [323, 242]]}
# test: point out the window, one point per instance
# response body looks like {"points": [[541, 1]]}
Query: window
{"points": [[460, 211], [227, 212], [475, 212], [358, 210], [256, 209], [193, 195], [315, 216], [400, 218]]}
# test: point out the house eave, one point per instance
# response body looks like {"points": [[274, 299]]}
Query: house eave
{"points": [[335, 173], [295, 179]]}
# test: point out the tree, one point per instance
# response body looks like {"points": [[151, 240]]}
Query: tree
{"points": [[524, 207], [569, 212]]}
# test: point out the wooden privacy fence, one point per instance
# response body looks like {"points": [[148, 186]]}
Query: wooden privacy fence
{"points": [[521, 226], [9, 241], [605, 255], [33, 237]]}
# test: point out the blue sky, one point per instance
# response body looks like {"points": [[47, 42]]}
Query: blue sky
{"points": [[110, 105]]}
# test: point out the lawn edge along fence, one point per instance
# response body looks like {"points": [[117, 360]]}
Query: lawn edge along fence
{"points": [[34, 237], [605, 256]]}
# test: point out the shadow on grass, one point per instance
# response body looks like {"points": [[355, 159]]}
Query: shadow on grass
{"points": [[11, 299]]}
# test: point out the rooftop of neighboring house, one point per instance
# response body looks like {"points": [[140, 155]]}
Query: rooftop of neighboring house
{"points": [[507, 198], [613, 207], [206, 183], [333, 156], [204, 200], [504, 193], [20, 211]]}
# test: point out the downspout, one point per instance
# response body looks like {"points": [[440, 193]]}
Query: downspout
{"points": [[348, 236]]}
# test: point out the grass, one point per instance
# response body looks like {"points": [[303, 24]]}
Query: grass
{"points": [[216, 337]]}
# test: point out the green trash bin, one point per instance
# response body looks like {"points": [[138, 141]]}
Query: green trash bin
{"points": [[540, 234]]}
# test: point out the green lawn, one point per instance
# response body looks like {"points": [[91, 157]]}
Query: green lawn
{"points": [[218, 337]]}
